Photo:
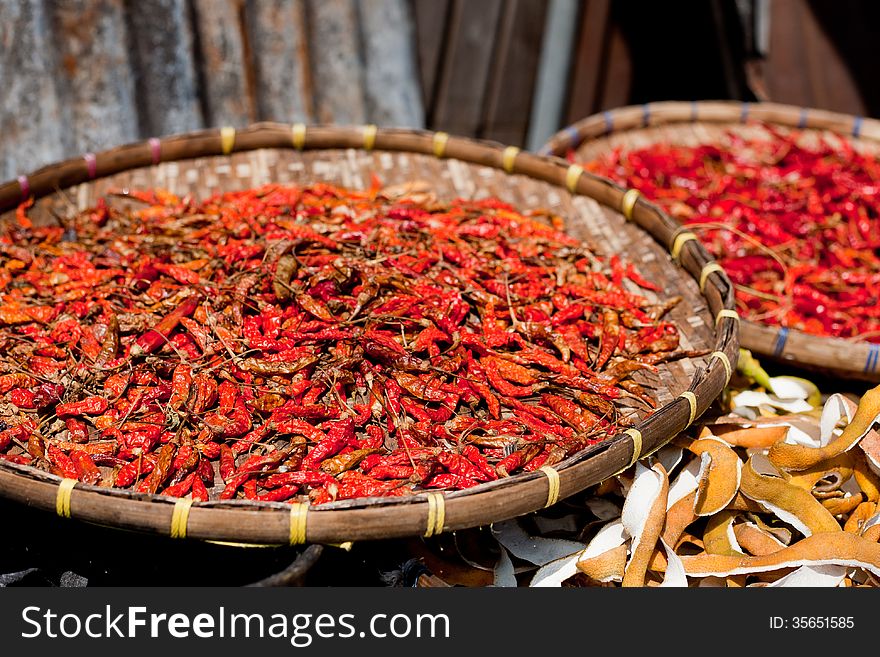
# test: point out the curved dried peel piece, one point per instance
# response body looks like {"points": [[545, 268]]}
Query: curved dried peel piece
{"points": [[669, 456], [719, 536], [678, 517], [608, 566], [719, 477], [504, 571], [857, 520], [783, 534], [643, 513], [813, 577], [610, 536], [761, 400], [795, 387], [755, 436], [556, 572], [534, 549], [868, 482], [838, 408], [870, 446], [797, 457], [602, 508], [842, 506], [755, 541], [839, 548], [685, 483], [675, 574], [790, 504], [839, 469]]}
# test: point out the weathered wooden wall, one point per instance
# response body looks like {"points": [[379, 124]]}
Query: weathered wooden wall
{"points": [[81, 75]]}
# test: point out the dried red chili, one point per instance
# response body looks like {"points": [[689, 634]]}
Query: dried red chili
{"points": [[793, 220], [316, 342]]}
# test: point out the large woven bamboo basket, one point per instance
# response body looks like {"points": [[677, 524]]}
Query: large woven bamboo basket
{"points": [[203, 163], [702, 122]]}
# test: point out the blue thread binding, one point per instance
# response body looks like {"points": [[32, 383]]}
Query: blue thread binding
{"points": [[609, 122], [781, 339], [744, 114], [802, 119], [857, 127], [873, 354]]}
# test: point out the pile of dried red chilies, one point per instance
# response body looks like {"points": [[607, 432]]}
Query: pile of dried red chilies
{"points": [[284, 341], [794, 223]]}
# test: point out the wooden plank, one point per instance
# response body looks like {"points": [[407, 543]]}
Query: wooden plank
{"points": [[470, 47], [94, 74], [551, 86], [589, 63], [516, 69], [336, 64], [31, 136], [162, 42], [431, 18], [804, 64], [226, 91], [276, 32], [392, 93], [616, 85]]}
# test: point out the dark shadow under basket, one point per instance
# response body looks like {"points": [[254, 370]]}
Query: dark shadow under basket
{"points": [[210, 161], [702, 122]]}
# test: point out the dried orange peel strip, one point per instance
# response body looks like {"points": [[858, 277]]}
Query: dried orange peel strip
{"points": [[786, 456], [719, 537], [839, 548], [606, 567], [643, 514], [789, 503], [754, 540], [755, 436], [719, 477]]}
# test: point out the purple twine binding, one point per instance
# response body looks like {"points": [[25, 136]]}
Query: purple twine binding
{"points": [[25, 186], [155, 150], [91, 164]]}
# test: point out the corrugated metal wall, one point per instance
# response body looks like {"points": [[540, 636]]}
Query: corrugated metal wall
{"points": [[82, 75]]}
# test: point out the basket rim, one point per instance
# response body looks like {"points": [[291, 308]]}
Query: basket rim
{"points": [[851, 358], [426, 513]]}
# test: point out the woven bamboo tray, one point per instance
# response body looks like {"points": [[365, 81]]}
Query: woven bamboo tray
{"points": [[206, 162], [693, 123]]}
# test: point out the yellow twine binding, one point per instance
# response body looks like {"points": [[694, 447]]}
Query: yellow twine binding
{"points": [[370, 136], [227, 139], [679, 242], [552, 485], [572, 176], [180, 517], [298, 517], [636, 436], [509, 157], [708, 269], [727, 312], [628, 203], [62, 497], [436, 514], [692, 402], [720, 355], [298, 135], [440, 139]]}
